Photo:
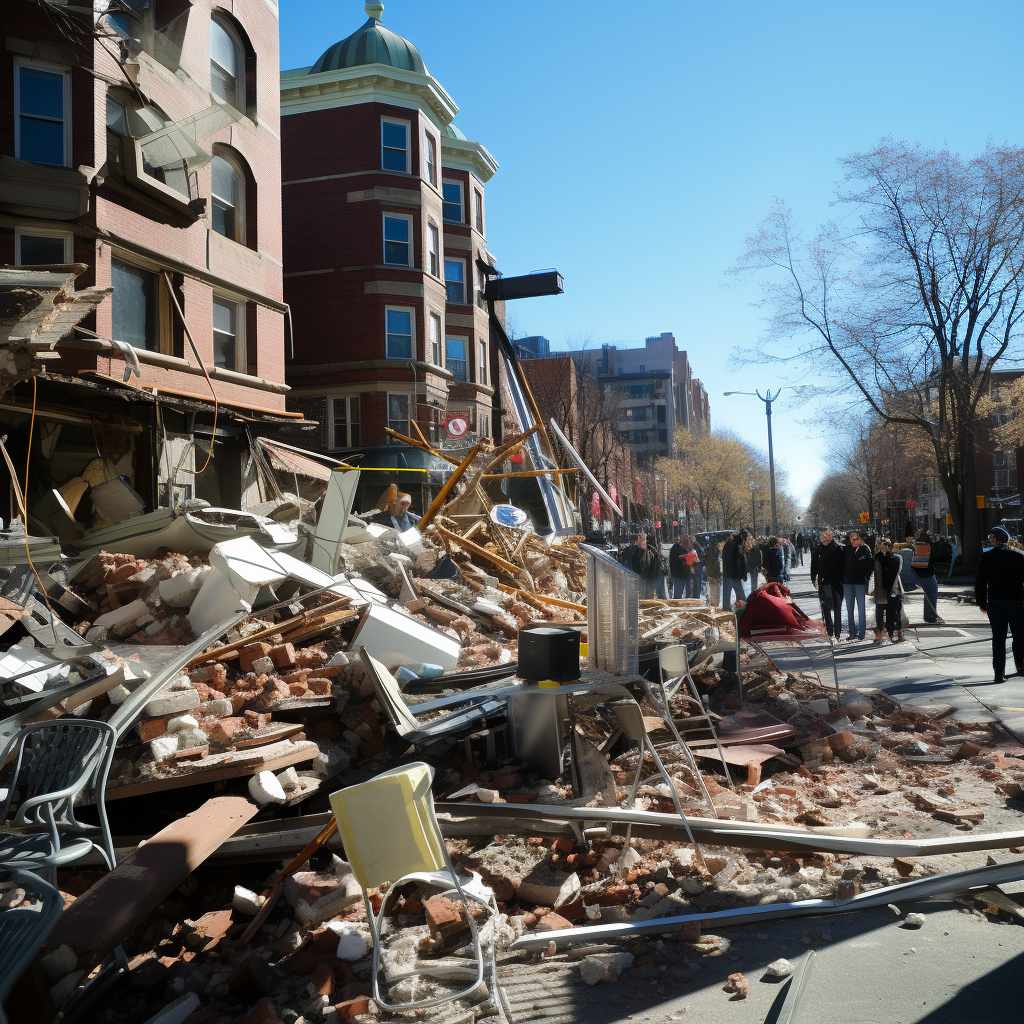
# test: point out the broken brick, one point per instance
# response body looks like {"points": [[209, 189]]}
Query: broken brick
{"points": [[250, 653], [283, 655]]}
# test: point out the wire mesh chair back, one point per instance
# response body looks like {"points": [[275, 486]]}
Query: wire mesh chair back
{"points": [[53, 762], [24, 929]]}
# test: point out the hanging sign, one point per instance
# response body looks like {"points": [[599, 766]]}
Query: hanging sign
{"points": [[457, 426]]}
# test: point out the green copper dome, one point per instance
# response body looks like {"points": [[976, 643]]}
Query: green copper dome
{"points": [[371, 44]]}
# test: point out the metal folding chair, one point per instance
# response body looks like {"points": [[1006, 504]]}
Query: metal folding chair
{"points": [[52, 763], [631, 721], [391, 834], [674, 670], [24, 929]]}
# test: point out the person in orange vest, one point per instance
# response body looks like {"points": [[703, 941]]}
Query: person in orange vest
{"points": [[923, 564]]}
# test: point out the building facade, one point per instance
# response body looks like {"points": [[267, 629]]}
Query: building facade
{"points": [[142, 144], [385, 248], [656, 390]]}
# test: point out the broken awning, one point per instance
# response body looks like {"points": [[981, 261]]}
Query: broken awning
{"points": [[290, 462]]}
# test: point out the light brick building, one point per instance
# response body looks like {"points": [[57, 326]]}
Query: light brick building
{"points": [[384, 250], [145, 147]]}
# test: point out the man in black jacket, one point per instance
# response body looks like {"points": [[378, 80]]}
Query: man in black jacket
{"points": [[734, 568], [999, 590], [827, 566], [858, 567]]}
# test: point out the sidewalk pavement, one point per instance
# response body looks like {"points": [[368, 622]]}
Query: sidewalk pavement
{"points": [[941, 664]]}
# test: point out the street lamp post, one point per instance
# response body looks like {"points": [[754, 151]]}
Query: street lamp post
{"points": [[767, 398], [753, 514]]}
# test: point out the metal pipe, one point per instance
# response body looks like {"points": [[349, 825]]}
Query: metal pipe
{"points": [[920, 888]]}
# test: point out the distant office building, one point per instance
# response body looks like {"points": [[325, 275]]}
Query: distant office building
{"points": [[657, 392], [533, 347]]}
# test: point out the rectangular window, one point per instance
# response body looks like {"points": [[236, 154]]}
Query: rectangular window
{"points": [[455, 280], [481, 364], [435, 250], [398, 415], [394, 145], [226, 323], [455, 354], [346, 425], [39, 247], [398, 240], [135, 306], [481, 286], [485, 425], [42, 101], [435, 339], [452, 208], [478, 210], [399, 327], [431, 160]]}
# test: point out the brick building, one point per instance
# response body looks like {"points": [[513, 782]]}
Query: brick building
{"points": [[656, 390], [143, 144], [581, 408], [385, 253]]}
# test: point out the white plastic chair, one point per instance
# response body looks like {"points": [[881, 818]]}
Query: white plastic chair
{"points": [[391, 835]]}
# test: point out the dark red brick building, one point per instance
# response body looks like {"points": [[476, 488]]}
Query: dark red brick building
{"points": [[384, 247]]}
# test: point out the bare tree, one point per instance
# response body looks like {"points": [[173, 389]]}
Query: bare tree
{"points": [[836, 500], [914, 305]]}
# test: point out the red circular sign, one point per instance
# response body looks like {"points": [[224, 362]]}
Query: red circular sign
{"points": [[457, 426]]}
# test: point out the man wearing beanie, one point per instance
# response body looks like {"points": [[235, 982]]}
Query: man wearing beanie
{"points": [[999, 590]]}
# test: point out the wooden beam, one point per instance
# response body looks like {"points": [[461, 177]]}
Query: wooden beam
{"points": [[121, 900], [442, 495], [510, 567], [527, 472], [582, 609]]}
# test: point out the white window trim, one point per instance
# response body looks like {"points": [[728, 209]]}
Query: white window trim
{"points": [[412, 239], [429, 140], [462, 199], [438, 318], [240, 350], [68, 236], [481, 362], [481, 230], [347, 398], [408, 142], [411, 310], [225, 23], [432, 227], [466, 343], [38, 65], [409, 407], [465, 284], [240, 206]]}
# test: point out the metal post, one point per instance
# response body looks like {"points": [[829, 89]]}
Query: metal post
{"points": [[768, 399]]}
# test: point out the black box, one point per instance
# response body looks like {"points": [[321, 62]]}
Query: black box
{"points": [[549, 652]]}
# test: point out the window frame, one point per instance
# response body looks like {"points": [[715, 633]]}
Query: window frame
{"points": [[478, 210], [52, 69], [161, 298], [462, 262], [434, 259], [408, 414], [407, 127], [435, 339], [430, 158], [385, 216], [222, 21], [349, 420], [464, 341], [68, 236], [240, 318], [240, 203], [411, 310], [447, 202], [481, 365]]}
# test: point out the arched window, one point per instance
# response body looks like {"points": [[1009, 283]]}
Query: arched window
{"points": [[227, 63], [228, 193]]}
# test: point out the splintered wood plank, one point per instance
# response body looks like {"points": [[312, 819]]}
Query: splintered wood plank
{"points": [[121, 900], [218, 767]]}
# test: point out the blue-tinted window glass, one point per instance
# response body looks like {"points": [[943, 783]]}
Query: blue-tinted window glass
{"points": [[41, 116], [396, 241], [399, 342]]}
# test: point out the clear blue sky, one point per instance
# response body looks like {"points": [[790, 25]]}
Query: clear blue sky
{"points": [[640, 142]]}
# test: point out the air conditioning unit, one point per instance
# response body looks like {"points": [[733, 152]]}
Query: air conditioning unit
{"points": [[613, 614]]}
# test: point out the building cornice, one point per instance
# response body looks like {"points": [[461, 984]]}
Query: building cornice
{"points": [[468, 156], [301, 91]]}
